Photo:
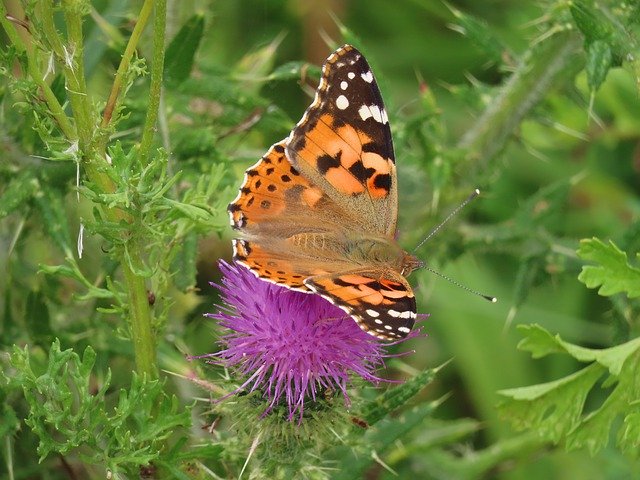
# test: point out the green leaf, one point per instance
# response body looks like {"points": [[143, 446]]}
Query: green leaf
{"points": [[377, 440], [393, 398], [181, 51], [256, 65], [613, 274], [540, 343], [599, 62], [72, 271], [293, 71], [556, 410], [589, 21], [552, 408]]}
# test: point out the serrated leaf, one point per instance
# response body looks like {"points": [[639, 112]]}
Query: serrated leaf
{"points": [[629, 434], [378, 439], [540, 343], [181, 51], [599, 62], [394, 398], [613, 275], [555, 410], [72, 271], [594, 431], [552, 408], [589, 21]]}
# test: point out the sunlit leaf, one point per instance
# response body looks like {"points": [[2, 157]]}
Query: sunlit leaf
{"points": [[613, 274]]}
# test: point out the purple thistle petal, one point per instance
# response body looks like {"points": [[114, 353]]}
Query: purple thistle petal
{"points": [[290, 344]]}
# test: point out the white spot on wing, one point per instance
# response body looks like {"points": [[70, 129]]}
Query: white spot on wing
{"points": [[372, 313], [367, 77], [351, 75], [364, 112], [397, 314], [373, 111], [342, 102], [343, 85], [404, 329]]}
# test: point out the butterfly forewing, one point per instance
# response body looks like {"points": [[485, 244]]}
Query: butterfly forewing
{"points": [[343, 142]]}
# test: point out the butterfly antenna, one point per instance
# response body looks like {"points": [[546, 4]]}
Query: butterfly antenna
{"points": [[475, 193], [458, 284]]}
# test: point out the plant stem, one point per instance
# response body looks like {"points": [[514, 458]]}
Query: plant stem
{"points": [[57, 112], [73, 64], [109, 108], [144, 343], [93, 149], [155, 89], [541, 67]]}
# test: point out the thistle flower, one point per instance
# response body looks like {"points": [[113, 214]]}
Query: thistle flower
{"points": [[290, 345]]}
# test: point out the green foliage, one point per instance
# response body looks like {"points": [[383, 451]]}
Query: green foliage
{"points": [[387, 402], [69, 416], [182, 50], [557, 409], [613, 274]]}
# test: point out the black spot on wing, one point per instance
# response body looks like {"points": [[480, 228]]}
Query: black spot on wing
{"points": [[383, 181], [361, 173], [327, 162]]}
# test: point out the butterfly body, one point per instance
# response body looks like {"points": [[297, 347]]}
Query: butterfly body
{"points": [[317, 213]]}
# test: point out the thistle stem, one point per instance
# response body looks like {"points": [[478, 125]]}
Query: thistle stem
{"points": [[540, 69], [155, 89], [110, 107]]}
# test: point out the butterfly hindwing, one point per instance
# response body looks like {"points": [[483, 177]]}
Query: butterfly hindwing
{"points": [[381, 302], [343, 142]]}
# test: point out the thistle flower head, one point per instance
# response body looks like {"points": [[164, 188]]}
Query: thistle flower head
{"points": [[290, 345]]}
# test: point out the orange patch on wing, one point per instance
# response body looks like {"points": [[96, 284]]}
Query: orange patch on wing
{"points": [[355, 279], [394, 293], [344, 181], [345, 141], [375, 161]]}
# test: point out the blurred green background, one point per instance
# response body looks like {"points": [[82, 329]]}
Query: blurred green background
{"points": [[567, 171]]}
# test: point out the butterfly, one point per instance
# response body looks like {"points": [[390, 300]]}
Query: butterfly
{"points": [[318, 212]]}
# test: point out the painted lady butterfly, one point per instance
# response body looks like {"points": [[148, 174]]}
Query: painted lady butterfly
{"points": [[318, 212]]}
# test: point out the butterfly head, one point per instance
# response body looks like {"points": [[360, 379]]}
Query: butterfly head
{"points": [[410, 263]]}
